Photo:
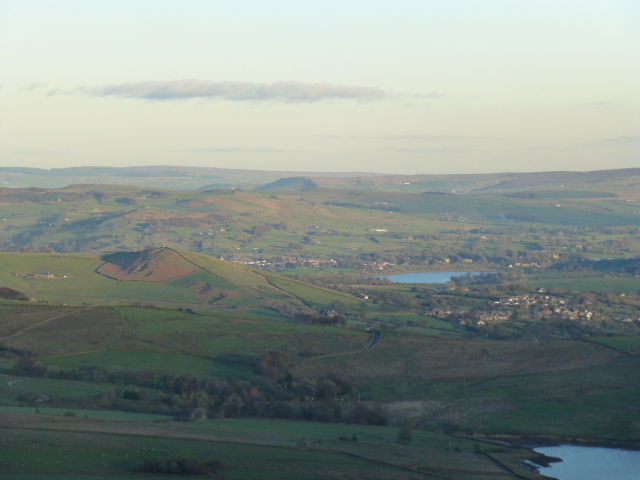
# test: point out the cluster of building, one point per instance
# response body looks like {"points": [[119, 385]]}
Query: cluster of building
{"points": [[550, 306], [537, 306], [572, 313], [519, 300], [41, 276], [290, 261], [378, 265]]}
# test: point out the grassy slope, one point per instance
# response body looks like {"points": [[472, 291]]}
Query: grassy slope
{"points": [[247, 449], [137, 337], [240, 286], [554, 388], [624, 344]]}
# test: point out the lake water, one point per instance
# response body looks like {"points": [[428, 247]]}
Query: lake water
{"points": [[425, 277], [591, 463]]}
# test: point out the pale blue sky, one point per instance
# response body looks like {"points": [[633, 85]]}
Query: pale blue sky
{"points": [[421, 87]]}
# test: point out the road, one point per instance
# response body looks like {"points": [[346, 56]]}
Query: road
{"points": [[11, 383], [377, 336]]}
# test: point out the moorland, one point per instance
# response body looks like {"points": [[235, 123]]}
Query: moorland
{"points": [[236, 323]]}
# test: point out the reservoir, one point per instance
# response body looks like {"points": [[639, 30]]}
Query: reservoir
{"points": [[591, 463], [425, 277]]}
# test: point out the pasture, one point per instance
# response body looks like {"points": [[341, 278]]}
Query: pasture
{"points": [[175, 363], [591, 284], [246, 449], [629, 344], [152, 338]]}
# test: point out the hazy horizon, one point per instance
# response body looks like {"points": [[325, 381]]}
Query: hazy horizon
{"points": [[414, 88], [325, 172]]}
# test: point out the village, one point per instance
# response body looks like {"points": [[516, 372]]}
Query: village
{"points": [[41, 276], [517, 307]]}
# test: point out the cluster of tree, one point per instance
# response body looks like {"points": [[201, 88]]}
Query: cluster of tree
{"points": [[127, 201], [154, 194], [11, 294], [272, 393], [551, 328], [12, 247], [561, 194], [320, 319], [180, 466], [261, 230], [333, 281], [40, 195], [386, 208]]}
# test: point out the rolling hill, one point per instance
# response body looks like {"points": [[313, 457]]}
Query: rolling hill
{"points": [[161, 277]]}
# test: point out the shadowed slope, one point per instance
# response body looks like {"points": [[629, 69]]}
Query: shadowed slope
{"points": [[158, 265]]}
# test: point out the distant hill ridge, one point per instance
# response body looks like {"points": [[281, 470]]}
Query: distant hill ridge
{"points": [[208, 178], [290, 183]]}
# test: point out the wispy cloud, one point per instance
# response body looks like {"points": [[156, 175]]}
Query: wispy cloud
{"points": [[411, 137], [239, 149], [422, 138], [32, 87], [625, 140], [429, 95], [549, 149], [232, 91], [43, 152], [426, 150]]}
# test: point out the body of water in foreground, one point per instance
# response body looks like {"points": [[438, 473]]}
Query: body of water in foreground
{"points": [[425, 277], [578, 463], [591, 463]]}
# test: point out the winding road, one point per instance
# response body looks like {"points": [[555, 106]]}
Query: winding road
{"points": [[11, 383], [377, 336]]}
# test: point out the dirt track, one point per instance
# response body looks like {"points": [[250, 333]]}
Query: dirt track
{"points": [[44, 396]]}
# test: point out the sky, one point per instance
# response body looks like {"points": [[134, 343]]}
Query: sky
{"points": [[411, 87]]}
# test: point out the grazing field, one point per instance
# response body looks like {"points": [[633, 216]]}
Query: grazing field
{"points": [[73, 330], [314, 295], [624, 344], [97, 414], [587, 416], [175, 363], [245, 449], [67, 389], [152, 338], [475, 378], [162, 277], [599, 284], [420, 320]]}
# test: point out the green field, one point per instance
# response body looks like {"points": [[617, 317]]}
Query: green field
{"points": [[98, 414], [176, 363], [110, 448], [624, 344], [63, 388], [599, 284], [151, 338], [214, 284]]}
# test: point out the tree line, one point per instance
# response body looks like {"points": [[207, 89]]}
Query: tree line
{"points": [[272, 392]]}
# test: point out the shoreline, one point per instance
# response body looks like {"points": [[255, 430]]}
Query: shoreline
{"points": [[533, 441]]}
